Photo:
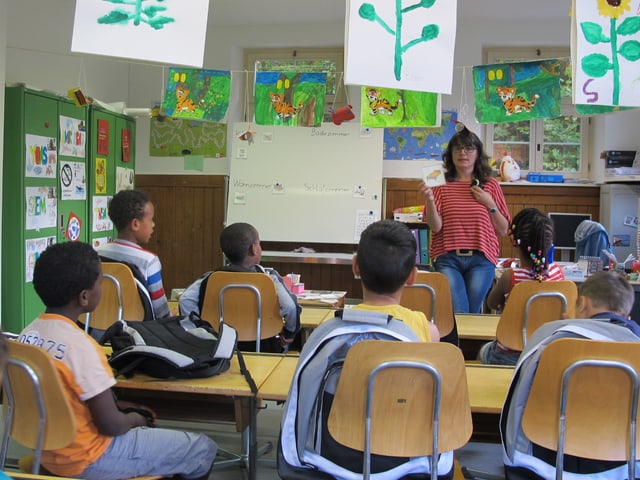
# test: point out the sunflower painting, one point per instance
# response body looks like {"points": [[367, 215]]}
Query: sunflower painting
{"points": [[606, 53]]}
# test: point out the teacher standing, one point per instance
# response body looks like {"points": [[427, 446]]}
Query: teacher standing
{"points": [[466, 215]]}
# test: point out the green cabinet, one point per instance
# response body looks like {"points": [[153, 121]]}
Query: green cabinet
{"points": [[56, 185]]}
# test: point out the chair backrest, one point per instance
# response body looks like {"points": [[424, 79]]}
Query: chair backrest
{"points": [[246, 301], [532, 303], [133, 307], [431, 294], [599, 402], [403, 399], [110, 309], [38, 414]]}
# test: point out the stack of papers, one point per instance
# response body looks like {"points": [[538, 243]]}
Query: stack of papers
{"points": [[321, 297]]}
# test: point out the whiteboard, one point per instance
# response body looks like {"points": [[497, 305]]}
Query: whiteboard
{"points": [[312, 184]]}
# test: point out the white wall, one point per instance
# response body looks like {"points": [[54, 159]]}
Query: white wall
{"points": [[39, 56]]}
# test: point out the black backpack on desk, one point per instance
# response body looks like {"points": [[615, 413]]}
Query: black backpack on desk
{"points": [[173, 347]]}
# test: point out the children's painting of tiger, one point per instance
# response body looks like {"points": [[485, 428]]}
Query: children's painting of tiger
{"points": [[294, 99], [515, 103], [518, 91], [380, 105], [283, 110]]}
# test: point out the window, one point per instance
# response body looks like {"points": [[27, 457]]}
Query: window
{"points": [[330, 60], [557, 145]]}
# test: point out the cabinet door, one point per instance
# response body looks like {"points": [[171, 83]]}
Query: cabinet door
{"points": [[38, 194], [72, 173]]}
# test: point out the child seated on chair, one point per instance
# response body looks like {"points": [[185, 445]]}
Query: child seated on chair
{"points": [[109, 444], [532, 233], [385, 263], [132, 212], [240, 243]]}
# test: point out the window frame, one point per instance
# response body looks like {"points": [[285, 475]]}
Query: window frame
{"points": [[252, 55], [492, 55]]}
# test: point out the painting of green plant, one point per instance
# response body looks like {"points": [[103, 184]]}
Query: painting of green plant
{"points": [[390, 107], [393, 27], [607, 48], [290, 98], [513, 92], [137, 12], [197, 94], [176, 137]]}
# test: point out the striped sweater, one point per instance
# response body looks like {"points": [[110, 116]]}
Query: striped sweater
{"points": [[149, 265]]}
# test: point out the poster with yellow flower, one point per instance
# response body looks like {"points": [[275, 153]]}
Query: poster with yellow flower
{"points": [[605, 52]]}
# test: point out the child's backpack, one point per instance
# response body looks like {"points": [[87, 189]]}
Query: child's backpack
{"points": [[174, 347], [305, 449], [524, 460]]}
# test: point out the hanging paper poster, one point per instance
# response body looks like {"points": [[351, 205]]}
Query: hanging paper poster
{"points": [[390, 107], [126, 145], [124, 178], [173, 137], [74, 227], [42, 207], [40, 157], [197, 94], [101, 175], [419, 143], [73, 182], [33, 248], [513, 92], [605, 53], [103, 137], [166, 31], [73, 137], [100, 209], [290, 98], [392, 45]]}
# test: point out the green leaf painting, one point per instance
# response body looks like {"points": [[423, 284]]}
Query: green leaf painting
{"points": [[606, 47], [137, 12], [513, 92], [290, 98], [197, 94], [390, 107]]}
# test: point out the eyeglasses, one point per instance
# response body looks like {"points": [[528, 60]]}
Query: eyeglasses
{"points": [[466, 149]]}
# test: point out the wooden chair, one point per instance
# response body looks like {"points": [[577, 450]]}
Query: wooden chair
{"points": [[38, 414], [584, 401], [532, 303], [402, 399], [133, 307], [431, 294], [246, 301]]}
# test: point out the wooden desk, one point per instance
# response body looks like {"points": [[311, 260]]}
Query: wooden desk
{"points": [[311, 317], [203, 399], [477, 327], [475, 330]]}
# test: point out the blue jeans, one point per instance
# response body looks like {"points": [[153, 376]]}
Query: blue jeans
{"points": [[154, 451], [470, 279]]}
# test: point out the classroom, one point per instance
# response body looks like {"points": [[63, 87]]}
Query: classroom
{"points": [[193, 202]]}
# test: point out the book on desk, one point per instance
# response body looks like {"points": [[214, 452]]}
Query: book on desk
{"points": [[321, 298]]}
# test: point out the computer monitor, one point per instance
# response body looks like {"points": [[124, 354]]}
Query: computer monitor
{"points": [[564, 226]]}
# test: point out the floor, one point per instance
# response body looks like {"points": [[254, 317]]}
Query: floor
{"points": [[482, 456]]}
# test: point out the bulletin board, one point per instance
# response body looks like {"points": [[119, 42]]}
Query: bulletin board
{"points": [[313, 184]]}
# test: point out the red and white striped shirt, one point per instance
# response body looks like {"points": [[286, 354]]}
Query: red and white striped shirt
{"points": [[466, 223]]}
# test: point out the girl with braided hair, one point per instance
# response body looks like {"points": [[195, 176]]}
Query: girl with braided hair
{"points": [[532, 232]]}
